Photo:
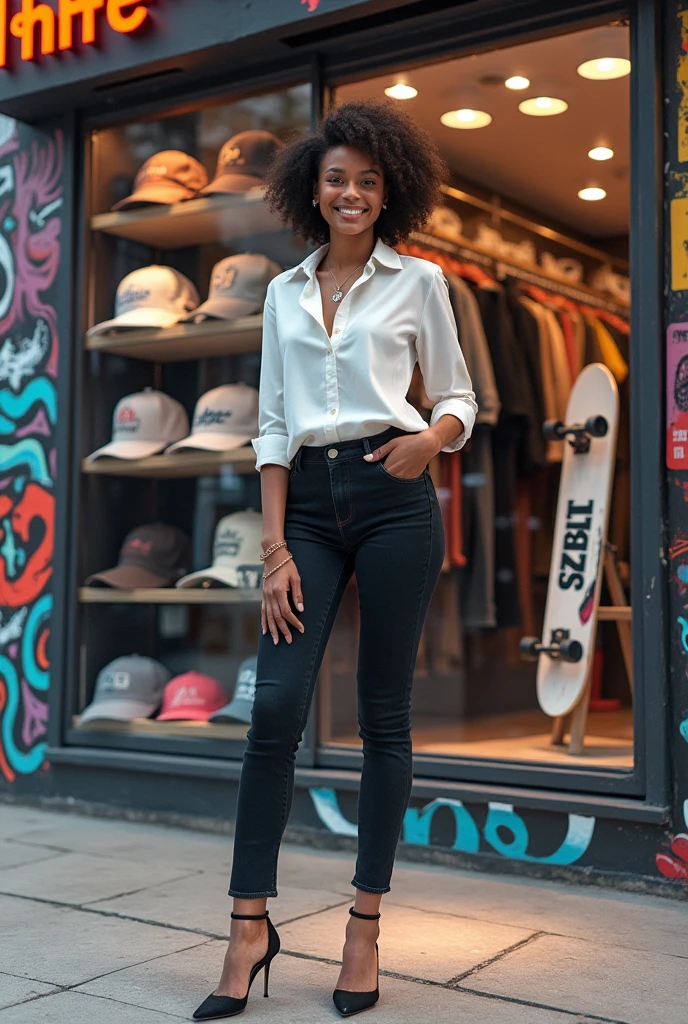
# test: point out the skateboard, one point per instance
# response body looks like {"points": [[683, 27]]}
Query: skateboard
{"points": [[565, 652]]}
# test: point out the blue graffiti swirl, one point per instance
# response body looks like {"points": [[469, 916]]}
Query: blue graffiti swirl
{"points": [[38, 677], [15, 407], [27, 452], [684, 632], [24, 763]]}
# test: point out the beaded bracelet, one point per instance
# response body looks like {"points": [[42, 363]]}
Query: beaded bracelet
{"points": [[266, 574], [271, 550]]}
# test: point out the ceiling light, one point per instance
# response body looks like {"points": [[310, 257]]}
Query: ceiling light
{"points": [[592, 195], [543, 106], [601, 153], [603, 68], [466, 118], [517, 82], [401, 91]]}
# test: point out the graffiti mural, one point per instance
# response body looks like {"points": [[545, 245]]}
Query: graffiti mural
{"points": [[30, 223]]}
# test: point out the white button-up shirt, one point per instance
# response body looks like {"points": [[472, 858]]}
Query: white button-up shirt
{"points": [[316, 389]]}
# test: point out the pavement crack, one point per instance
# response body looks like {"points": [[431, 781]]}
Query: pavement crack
{"points": [[313, 913], [494, 959], [578, 1014]]}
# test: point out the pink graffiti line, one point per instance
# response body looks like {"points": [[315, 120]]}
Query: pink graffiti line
{"points": [[35, 717], [311, 4]]}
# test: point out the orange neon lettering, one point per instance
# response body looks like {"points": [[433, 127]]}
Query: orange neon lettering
{"points": [[69, 9], [24, 22], [120, 22]]}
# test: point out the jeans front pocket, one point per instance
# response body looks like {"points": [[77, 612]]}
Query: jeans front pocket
{"points": [[402, 479]]}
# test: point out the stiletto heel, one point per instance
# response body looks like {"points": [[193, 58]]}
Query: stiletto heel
{"points": [[215, 1007], [349, 1003]]}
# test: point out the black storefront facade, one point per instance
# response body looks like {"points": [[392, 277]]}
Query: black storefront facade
{"points": [[575, 818]]}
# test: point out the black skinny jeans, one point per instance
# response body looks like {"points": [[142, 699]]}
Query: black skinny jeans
{"points": [[343, 515]]}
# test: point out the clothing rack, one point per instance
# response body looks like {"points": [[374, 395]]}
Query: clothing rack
{"points": [[503, 268]]}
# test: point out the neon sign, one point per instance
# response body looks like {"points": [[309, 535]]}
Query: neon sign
{"points": [[43, 31]]}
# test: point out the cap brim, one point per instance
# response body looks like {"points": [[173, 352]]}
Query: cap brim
{"points": [[238, 711], [136, 318], [117, 710], [128, 450], [163, 193], [223, 309], [218, 573], [232, 183], [209, 442], [128, 577], [184, 715]]}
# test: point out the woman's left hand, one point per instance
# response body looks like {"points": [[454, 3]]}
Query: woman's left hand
{"points": [[407, 456]]}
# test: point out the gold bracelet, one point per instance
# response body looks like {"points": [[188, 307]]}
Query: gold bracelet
{"points": [[271, 550], [266, 574]]}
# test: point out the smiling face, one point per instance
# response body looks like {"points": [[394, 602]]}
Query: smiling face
{"points": [[350, 190]]}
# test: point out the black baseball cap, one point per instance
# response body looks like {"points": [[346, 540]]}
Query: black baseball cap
{"points": [[154, 555], [242, 162]]}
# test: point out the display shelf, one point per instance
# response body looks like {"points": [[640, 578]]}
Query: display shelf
{"points": [[219, 218], [183, 341], [179, 465], [167, 595], [150, 727]]}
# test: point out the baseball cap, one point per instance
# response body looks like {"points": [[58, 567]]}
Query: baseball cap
{"points": [[165, 177], [154, 555], [128, 687], [152, 296], [224, 418], [238, 285], [242, 162], [191, 697], [445, 223], [239, 708], [142, 424], [236, 553]]}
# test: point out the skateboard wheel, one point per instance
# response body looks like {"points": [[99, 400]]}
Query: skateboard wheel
{"points": [[553, 430], [596, 426], [570, 650], [528, 648]]}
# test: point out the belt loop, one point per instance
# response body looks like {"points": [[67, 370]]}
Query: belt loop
{"points": [[366, 445], [298, 459]]}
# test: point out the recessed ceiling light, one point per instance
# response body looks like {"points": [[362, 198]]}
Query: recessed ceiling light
{"points": [[543, 106], [401, 91], [591, 195], [466, 118], [602, 68], [517, 82], [601, 153]]}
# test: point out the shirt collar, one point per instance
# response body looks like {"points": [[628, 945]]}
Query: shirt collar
{"points": [[382, 254]]}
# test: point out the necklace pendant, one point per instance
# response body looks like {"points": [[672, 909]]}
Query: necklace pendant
{"points": [[338, 295]]}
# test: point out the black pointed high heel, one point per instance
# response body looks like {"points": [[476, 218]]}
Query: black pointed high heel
{"points": [[349, 1003], [214, 1006]]}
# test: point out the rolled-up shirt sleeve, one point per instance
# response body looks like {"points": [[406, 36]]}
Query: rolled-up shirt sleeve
{"points": [[445, 376], [273, 439]]}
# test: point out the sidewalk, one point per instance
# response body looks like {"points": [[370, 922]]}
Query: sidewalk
{"points": [[105, 922]]}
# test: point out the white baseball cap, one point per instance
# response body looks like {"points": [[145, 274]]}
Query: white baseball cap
{"points": [[236, 553], [224, 418], [150, 297], [143, 424]]}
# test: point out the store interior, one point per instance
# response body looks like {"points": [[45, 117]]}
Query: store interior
{"points": [[533, 239]]}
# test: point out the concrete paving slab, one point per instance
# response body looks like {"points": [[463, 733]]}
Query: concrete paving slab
{"points": [[16, 990], [79, 878], [201, 901], [584, 977], [301, 990], [333, 870], [76, 1008], [61, 946], [617, 918], [15, 818], [13, 854], [435, 947]]}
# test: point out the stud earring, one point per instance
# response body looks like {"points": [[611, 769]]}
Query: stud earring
{"points": [[315, 202], [384, 206]]}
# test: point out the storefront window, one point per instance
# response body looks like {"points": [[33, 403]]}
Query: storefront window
{"points": [[533, 238]]}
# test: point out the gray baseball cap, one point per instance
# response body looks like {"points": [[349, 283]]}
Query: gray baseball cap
{"points": [[239, 708], [128, 687], [238, 286]]}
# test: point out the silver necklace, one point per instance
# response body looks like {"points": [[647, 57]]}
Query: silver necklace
{"points": [[338, 294]]}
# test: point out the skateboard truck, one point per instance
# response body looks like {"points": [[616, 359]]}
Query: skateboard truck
{"points": [[560, 646], [578, 435]]}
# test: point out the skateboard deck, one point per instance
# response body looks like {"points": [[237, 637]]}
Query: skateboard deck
{"points": [[575, 577]]}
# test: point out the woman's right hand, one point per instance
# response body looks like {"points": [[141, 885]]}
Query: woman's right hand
{"points": [[275, 610]]}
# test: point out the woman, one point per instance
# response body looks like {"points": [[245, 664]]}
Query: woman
{"points": [[345, 488]]}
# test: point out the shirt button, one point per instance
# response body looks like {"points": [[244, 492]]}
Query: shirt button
{"points": [[336, 330], [332, 412], [328, 352]]}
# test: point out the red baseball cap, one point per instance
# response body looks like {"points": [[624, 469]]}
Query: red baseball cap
{"points": [[191, 697]]}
